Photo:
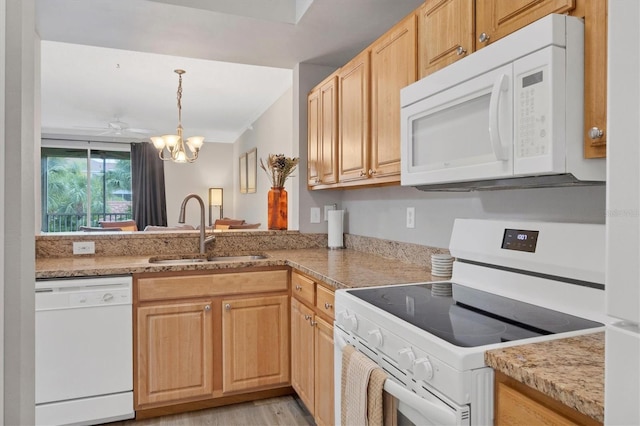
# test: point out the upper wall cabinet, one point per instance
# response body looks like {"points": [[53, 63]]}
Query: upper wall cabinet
{"points": [[446, 33], [393, 66], [445, 26], [322, 110], [368, 113], [353, 121], [497, 18]]}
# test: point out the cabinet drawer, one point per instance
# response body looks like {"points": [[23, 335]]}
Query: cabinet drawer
{"points": [[303, 288], [324, 301], [187, 286]]}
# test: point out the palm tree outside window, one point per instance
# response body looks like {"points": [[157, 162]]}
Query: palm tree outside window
{"points": [[82, 186]]}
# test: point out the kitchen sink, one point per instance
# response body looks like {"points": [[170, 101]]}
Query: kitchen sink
{"points": [[242, 258], [187, 259]]}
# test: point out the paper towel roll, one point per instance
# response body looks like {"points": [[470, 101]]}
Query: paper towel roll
{"points": [[336, 229]]}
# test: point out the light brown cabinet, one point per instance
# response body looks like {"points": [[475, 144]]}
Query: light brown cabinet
{"points": [[322, 111], [255, 342], [393, 66], [353, 118], [449, 30], [176, 344], [302, 353], [498, 18], [189, 348], [368, 114], [312, 348], [446, 33], [518, 405]]}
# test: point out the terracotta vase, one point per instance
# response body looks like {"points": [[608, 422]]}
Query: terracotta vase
{"points": [[277, 208]]}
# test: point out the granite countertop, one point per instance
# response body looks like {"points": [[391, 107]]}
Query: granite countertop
{"points": [[570, 370], [337, 268]]}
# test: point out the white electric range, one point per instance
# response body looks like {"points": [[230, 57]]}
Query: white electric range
{"points": [[513, 283]]}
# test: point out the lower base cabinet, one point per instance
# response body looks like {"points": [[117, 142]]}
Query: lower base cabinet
{"points": [[255, 343], [175, 344], [201, 338], [517, 404], [312, 348]]}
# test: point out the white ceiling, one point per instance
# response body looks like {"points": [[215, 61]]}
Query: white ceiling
{"points": [[109, 60]]}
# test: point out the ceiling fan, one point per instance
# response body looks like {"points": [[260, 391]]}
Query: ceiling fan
{"points": [[118, 127]]}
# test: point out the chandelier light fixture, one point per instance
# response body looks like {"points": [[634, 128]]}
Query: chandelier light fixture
{"points": [[171, 147]]}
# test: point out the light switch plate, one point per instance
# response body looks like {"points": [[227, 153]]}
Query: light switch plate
{"points": [[326, 211], [315, 215], [84, 247]]}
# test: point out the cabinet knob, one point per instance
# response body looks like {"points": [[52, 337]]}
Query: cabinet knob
{"points": [[207, 308], [298, 287], [372, 172], [362, 173], [312, 323], [307, 317], [596, 133], [484, 37], [461, 51], [227, 307], [328, 305]]}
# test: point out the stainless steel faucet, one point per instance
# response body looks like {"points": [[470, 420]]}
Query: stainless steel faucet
{"points": [[203, 240]]}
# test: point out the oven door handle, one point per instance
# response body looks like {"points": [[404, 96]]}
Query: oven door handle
{"points": [[436, 414]]}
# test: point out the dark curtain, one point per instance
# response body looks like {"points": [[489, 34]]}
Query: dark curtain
{"points": [[147, 181]]}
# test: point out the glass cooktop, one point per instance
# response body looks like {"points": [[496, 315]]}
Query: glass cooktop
{"points": [[470, 317]]}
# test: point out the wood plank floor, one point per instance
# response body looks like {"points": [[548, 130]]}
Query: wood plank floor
{"points": [[282, 411]]}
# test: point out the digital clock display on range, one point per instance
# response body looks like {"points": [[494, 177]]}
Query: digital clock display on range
{"points": [[520, 239]]}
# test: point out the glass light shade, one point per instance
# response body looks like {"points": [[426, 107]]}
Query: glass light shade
{"points": [[158, 142], [180, 157], [171, 140], [195, 142]]}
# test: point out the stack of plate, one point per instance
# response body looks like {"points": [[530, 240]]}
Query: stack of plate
{"points": [[441, 265]]}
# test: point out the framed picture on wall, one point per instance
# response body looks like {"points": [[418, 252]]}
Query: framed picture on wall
{"points": [[252, 164], [243, 173]]}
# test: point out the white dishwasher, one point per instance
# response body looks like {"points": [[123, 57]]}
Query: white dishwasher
{"points": [[84, 351]]}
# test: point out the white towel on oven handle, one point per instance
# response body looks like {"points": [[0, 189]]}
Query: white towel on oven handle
{"points": [[427, 409]]}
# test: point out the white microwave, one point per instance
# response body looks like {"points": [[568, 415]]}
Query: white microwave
{"points": [[509, 115]]}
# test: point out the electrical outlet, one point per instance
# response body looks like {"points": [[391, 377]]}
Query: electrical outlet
{"points": [[84, 247], [315, 215], [411, 217], [326, 210]]}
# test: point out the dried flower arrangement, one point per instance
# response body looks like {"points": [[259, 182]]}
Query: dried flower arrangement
{"points": [[278, 168]]}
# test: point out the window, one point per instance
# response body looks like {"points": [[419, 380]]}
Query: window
{"points": [[82, 186]]}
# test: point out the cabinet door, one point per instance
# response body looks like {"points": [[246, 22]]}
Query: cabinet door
{"points": [[174, 346], [302, 353], [497, 18], [393, 66], [594, 13], [313, 137], [324, 410], [255, 342], [329, 131], [353, 112], [446, 33]]}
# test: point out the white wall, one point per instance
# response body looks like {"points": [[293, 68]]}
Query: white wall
{"points": [[212, 169], [381, 212], [271, 134]]}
